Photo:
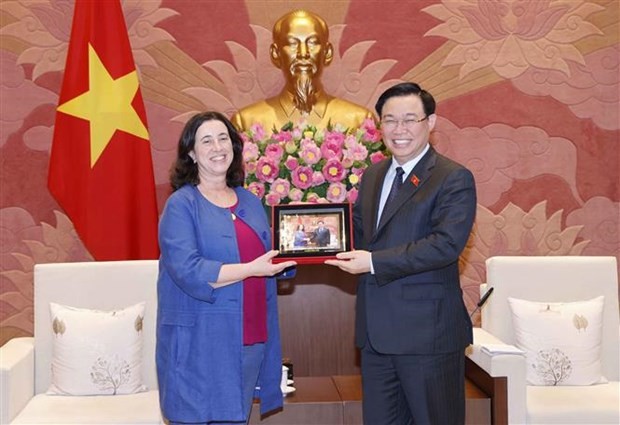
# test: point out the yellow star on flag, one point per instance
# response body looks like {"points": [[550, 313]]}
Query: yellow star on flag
{"points": [[107, 105]]}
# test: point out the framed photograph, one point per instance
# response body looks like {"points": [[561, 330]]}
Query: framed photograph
{"points": [[311, 233]]}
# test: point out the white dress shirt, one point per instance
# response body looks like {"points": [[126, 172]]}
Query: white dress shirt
{"points": [[387, 185]]}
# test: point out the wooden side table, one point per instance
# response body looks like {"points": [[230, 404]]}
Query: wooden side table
{"points": [[316, 401]]}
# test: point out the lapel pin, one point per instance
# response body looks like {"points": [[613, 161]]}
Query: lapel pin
{"points": [[415, 180]]}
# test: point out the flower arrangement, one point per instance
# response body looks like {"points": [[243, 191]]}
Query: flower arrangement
{"points": [[300, 163]]}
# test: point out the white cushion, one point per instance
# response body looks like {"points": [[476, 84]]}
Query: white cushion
{"points": [[141, 408], [96, 352], [594, 404], [562, 341]]}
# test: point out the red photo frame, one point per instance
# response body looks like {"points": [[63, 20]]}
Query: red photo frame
{"points": [[311, 233]]}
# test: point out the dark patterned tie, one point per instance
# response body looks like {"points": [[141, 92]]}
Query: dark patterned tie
{"points": [[396, 184]]}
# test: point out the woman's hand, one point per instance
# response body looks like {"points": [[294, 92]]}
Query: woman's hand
{"points": [[262, 266]]}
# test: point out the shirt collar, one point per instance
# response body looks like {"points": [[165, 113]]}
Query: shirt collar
{"points": [[409, 165]]}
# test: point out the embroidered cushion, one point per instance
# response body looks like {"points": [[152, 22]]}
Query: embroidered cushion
{"points": [[562, 341], [96, 352]]}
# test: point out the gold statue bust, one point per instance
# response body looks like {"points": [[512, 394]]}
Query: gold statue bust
{"points": [[301, 49]]}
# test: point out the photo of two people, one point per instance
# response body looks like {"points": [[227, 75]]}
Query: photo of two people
{"points": [[312, 231]]}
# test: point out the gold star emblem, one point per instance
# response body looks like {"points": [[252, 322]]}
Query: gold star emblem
{"points": [[107, 105]]}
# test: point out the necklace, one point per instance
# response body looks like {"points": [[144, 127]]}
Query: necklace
{"points": [[220, 198], [232, 211]]}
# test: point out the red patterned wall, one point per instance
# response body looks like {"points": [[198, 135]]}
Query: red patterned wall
{"points": [[528, 99]]}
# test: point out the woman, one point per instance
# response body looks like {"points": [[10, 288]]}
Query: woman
{"points": [[300, 236], [218, 336]]}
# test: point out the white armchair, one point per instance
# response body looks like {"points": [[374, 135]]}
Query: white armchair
{"points": [[551, 279], [25, 362]]}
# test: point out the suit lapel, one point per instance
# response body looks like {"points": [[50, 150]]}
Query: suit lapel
{"points": [[412, 183]]}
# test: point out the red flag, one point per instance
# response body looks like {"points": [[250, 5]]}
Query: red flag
{"points": [[100, 167]]}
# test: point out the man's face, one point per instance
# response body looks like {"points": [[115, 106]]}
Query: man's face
{"points": [[406, 128]]}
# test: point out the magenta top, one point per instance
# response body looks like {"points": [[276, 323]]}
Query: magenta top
{"points": [[254, 291]]}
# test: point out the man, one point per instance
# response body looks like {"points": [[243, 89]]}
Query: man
{"points": [[411, 323], [321, 235], [301, 49]]}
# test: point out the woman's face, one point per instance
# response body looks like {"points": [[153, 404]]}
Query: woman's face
{"points": [[213, 150]]}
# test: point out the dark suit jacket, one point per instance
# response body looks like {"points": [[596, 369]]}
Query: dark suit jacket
{"points": [[321, 236], [413, 304]]}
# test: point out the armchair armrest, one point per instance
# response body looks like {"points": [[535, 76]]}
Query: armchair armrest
{"points": [[16, 377], [512, 366]]}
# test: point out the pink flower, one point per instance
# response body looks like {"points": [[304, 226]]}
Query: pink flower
{"points": [[250, 151], [347, 162], [312, 197], [377, 157], [274, 151], [295, 195], [358, 171], [332, 148], [317, 178], [303, 163], [291, 163], [266, 169], [358, 152], [352, 195], [349, 141], [297, 133], [257, 189], [272, 198], [336, 192], [281, 187], [307, 142], [283, 136], [334, 137], [250, 167], [371, 133], [310, 153], [302, 177], [257, 131], [333, 171]]}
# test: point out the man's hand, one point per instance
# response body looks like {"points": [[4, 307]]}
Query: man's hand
{"points": [[354, 262]]}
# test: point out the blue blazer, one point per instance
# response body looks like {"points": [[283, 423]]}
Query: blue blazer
{"points": [[199, 328], [413, 304]]}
